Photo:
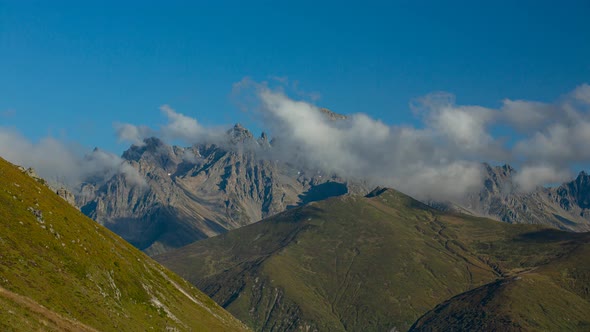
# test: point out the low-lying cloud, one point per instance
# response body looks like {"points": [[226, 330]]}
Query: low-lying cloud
{"points": [[179, 127], [63, 164], [440, 158]]}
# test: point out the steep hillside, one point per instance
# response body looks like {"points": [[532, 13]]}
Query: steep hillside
{"points": [[553, 297], [197, 192], [61, 271], [374, 263]]}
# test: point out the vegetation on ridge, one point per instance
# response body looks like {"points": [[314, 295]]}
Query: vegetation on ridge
{"points": [[59, 270], [363, 263]]}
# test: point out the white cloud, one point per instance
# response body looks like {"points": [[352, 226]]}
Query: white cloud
{"points": [[582, 94], [421, 162], [60, 163], [438, 159], [179, 127], [528, 115], [529, 177], [133, 134]]}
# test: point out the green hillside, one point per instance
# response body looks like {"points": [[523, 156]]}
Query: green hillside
{"points": [[553, 297], [362, 263], [61, 271]]}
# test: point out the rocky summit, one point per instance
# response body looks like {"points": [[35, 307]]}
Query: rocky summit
{"points": [[193, 193]]}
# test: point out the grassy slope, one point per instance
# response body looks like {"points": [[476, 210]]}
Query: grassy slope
{"points": [[59, 270], [355, 263], [553, 297]]}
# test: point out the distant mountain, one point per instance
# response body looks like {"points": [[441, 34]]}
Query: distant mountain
{"points": [[61, 271], [375, 263], [565, 207], [201, 191]]}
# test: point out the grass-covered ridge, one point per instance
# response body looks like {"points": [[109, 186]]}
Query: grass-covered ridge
{"points": [[59, 270], [361, 263]]}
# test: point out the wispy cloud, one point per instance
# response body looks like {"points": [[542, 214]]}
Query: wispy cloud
{"points": [[439, 159], [62, 163], [178, 127]]}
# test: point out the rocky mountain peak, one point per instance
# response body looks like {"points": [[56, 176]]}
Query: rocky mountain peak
{"points": [[576, 192], [263, 140], [507, 169], [239, 134], [155, 152], [332, 115], [583, 177], [152, 145]]}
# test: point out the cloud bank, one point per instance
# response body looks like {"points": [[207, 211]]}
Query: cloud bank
{"points": [[63, 164], [179, 127], [439, 158]]}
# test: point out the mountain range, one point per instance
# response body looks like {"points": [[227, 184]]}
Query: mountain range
{"points": [[286, 247], [201, 191], [563, 207], [196, 192]]}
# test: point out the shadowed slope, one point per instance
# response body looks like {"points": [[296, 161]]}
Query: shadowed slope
{"points": [[553, 297]]}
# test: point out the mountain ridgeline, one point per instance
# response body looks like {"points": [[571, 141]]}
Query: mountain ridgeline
{"points": [[61, 271], [565, 207], [386, 262], [194, 193]]}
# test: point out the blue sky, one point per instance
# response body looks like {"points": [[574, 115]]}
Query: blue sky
{"points": [[71, 70]]}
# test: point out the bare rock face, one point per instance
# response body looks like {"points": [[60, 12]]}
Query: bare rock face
{"points": [[331, 115], [565, 207], [66, 195], [61, 192], [200, 191]]}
